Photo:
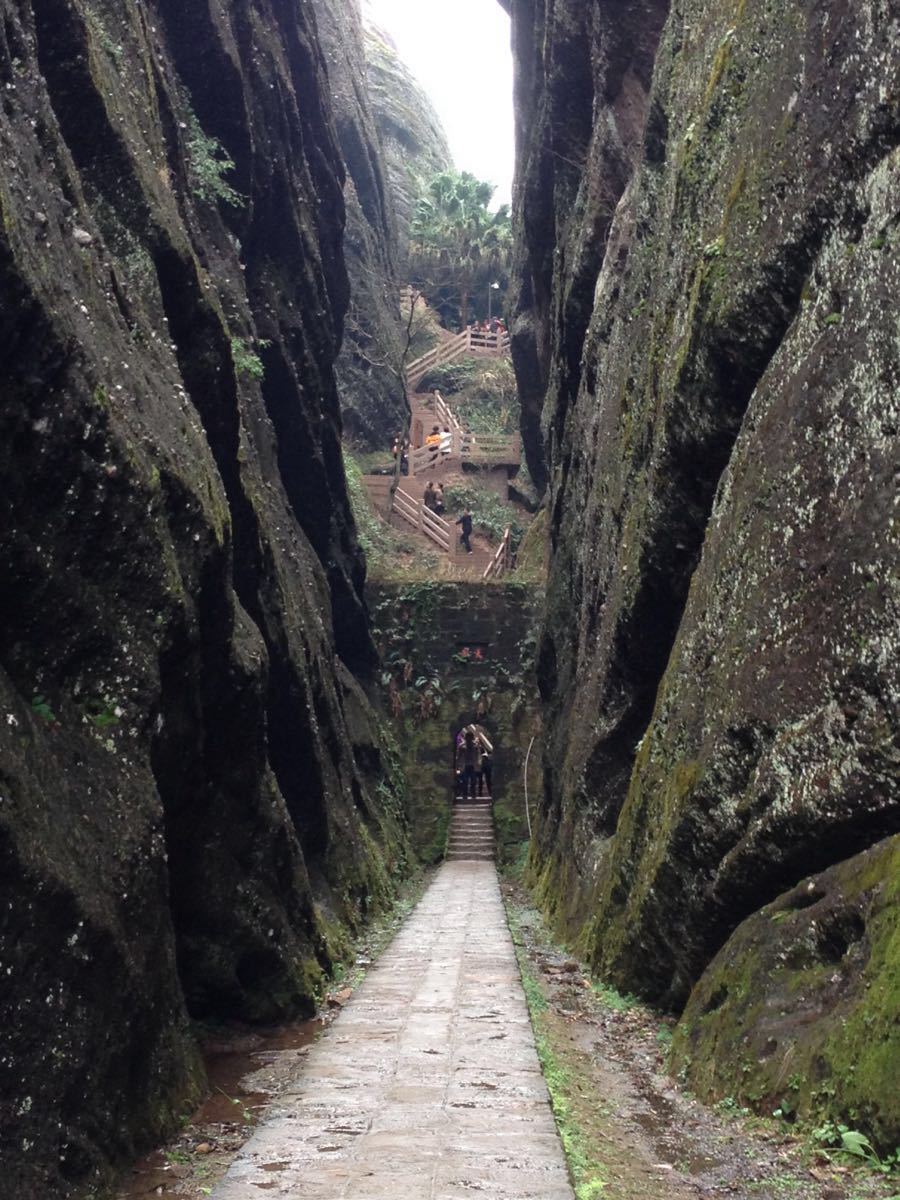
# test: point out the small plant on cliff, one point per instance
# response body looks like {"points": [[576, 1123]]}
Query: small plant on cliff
{"points": [[41, 708], [95, 23], [102, 713], [208, 163], [247, 361]]}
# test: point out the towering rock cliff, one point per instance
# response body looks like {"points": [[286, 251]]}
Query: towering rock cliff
{"points": [[194, 803], [412, 137], [707, 212], [370, 366]]}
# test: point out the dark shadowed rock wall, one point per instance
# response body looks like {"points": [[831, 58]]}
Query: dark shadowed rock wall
{"points": [[708, 269], [369, 368], [194, 802], [582, 79]]}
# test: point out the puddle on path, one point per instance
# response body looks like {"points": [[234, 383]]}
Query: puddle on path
{"points": [[245, 1071]]}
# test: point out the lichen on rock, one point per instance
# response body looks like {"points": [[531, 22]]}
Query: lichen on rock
{"points": [[798, 1011], [370, 366], [188, 825], [717, 363]]}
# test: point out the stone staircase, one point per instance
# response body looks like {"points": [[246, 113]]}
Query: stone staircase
{"points": [[471, 831]]}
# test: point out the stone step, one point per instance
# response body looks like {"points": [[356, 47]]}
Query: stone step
{"points": [[473, 857]]}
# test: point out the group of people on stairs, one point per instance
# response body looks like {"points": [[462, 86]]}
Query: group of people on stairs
{"points": [[474, 764], [434, 497], [440, 441]]}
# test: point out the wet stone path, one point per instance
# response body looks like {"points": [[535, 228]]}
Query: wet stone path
{"points": [[427, 1086]]}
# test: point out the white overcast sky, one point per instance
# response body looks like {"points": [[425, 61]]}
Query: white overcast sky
{"points": [[461, 55]]}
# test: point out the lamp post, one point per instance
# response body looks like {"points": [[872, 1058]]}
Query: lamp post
{"points": [[494, 287]]}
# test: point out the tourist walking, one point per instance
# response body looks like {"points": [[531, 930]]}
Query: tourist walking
{"points": [[465, 523], [433, 442], [428, 497], [439, 499]]}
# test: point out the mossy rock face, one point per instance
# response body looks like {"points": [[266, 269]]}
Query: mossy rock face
{"points": [[369, 367], [452, 654], [582, 86], [721, 623], [196, 802], [801, 1007]]}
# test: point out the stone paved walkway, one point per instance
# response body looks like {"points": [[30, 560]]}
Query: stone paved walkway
{"points": [[427, 1086]]}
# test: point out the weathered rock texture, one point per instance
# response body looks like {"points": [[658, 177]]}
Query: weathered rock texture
{"points": [[194, 803], [582, 79], [369, 369], [412, 137], [720, 648], [802, 1002]]}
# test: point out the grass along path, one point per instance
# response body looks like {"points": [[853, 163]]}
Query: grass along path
{"points": [[629, 1131]]}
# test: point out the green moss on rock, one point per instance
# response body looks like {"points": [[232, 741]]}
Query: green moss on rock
{"points": [[801, 1007]]}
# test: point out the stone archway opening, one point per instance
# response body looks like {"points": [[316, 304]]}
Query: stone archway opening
{"points": [[473, 763]]}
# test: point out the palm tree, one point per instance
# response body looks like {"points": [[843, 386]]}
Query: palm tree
{"points": [[454, 237]]}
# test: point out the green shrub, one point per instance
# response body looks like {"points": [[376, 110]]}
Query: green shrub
{"points": [[491, 404], [490, 514], [424, 330], [451, 377], [246, 361], [208, 163]]}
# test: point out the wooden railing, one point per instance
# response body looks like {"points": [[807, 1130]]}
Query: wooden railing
{"points": [[423, 519], [502, 560], [483, 448], [488, 343], [444, 414], [423, 459], [470, 341], [443, 352]]}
